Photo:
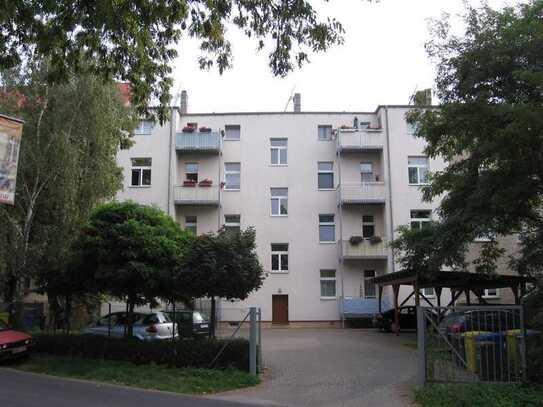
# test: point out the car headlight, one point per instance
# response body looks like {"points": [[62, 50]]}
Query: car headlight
{"points": [[4, 346], [27, 341]]}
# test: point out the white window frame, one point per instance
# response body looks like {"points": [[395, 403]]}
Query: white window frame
{"points": [[419, 168], [429, 295], [232, 224], [279, 199], [187, 164], [327, 127], [420, 221], [367, 223], [319, 171], [364, 172], [192, 225], [232, 172], [141, 130], [487, 295], [327, 279], [280, 254], [140, 169], [279, 149], [228, 127], [365, 280], [333, 224]]}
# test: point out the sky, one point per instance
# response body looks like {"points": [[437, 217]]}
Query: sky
{"points": [[382, 61]]}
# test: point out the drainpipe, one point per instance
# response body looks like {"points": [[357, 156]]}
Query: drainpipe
{"points": [[338, 192], [389, 179], [172, 134]]}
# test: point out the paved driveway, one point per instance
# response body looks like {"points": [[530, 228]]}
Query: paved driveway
{"points": [[333, 367]]}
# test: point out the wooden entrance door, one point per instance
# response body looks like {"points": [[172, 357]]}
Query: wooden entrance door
{"points": [[280, 309]]}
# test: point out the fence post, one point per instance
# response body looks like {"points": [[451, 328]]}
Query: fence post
{"points": [[421, 346], [259, 340], [523, 345], [252, 340]]}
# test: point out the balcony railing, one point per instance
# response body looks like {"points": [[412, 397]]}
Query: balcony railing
{"points": [[366, 249], [360, 140], [198, 142], [361, 193], [196, 195]]}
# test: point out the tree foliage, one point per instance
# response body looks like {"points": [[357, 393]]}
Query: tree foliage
{"points": [[489, 128], [135, 40]]}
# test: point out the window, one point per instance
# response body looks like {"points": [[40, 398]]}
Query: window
{"points": [[325, 132], [191, 172], [232, 223], [190, 224], [279, 201], [420, 219], [232, 176], [366, 172], [491, 293], [327, 229], [429, 292], [232, 132], [411, 128], [278, 151], [145, 127], [369, 285], [141, 172], [326, 175], [279, 257], [368, 226], [328, 283], [418, 170]]}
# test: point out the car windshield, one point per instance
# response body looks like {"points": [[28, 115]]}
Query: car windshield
{"points": [[3, 326], [197, 317]]}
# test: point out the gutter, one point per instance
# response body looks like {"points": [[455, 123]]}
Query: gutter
{"points": [[391, 223], [172, 133]]}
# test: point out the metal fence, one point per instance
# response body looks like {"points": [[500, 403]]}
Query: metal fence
{"points": [[472, 344], [30, 314]]}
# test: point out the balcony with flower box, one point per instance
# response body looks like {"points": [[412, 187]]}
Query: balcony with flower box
{"points": [[197, 193], [358, 248]]}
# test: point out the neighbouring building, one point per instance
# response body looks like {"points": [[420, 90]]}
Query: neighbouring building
{"points": [[324, 190]]}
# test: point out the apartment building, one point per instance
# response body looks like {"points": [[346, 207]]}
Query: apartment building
{"points": [[324, 190]]}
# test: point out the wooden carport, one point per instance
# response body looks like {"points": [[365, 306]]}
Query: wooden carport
{"points": [[457, 281]]}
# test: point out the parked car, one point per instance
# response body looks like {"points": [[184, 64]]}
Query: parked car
{"points": [[408, 319], [147, 326], [479, 320], [13, 343], [200, 323]]}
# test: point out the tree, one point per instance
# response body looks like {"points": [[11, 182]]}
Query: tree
{"points": [[67, 165], [224, 265], [135, 41], [128, 249], [489, 128]]}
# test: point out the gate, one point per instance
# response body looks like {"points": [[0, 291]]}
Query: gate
{"points": [[471, 344]]}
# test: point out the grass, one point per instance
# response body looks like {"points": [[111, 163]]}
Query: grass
{"points": [[479, 395], [155, 377]]}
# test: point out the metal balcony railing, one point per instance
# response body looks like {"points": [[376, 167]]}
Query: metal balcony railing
{"points": [[361, 193], [360, 140], [198, 142], [363, 250], [196, 195]]}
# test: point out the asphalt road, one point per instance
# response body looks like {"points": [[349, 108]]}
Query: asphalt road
{"points": [[20, 389]]}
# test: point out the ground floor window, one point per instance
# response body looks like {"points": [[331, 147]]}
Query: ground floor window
{"points": [[190, 224], [328, 283], [368, 286], [279, 257], [491, 293]]}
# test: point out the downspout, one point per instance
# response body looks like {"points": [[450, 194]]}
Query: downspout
{"points": [[340, 254], [389, 179], [172, 134]]}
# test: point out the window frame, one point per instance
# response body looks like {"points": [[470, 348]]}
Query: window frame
{"points": [[140, 169], [231, 127], [366, 280], [486, 295], [279, 199], [279, 149], [230, 172], [189, 225], [327, 127], [140, 130], [327, 279], [228, 225], [333, 224], [372, 172], [192, 172], [418, 168], [429, 295], [367, 223], [331, 171], [420, 221], [280, 254]]}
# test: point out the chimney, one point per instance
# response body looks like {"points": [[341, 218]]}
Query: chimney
{"points": [[423, 97], [297, 102], [183, 107]]}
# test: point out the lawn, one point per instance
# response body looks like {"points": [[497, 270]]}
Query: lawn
{"points": [[479, 395], [155, 377]]}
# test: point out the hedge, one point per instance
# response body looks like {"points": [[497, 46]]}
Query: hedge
{"points": [[196, 353]]}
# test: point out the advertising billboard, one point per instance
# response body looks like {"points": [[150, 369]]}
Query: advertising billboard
{"points": [[10, 141]]}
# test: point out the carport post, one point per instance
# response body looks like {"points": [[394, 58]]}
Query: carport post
{"points": [[421, 347], [252, 340]]}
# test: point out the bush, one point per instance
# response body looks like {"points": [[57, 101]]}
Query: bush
{"points": [[196, 353]]}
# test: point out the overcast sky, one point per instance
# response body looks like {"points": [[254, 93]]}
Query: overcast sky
{"points": [[381, 62]]}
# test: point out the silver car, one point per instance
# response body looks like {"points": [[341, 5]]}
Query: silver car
{"points": [[147, 326]]}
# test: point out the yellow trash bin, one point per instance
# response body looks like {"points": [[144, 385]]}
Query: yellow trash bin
{"points": [[513, 349], [470, 340]]}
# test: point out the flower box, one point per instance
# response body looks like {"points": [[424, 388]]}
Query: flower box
{"points": [[205, 130], [189, 183], [205, 183], [188, 129], [375, 239], [355, 240]]}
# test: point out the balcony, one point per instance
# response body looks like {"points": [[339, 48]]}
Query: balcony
{"points": [[196, 195], [351, 140], [198, 142], [363, 250], [357, 307], [361, 193]]}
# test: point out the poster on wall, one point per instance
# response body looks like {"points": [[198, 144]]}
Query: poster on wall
{"points": [[10, 140]]}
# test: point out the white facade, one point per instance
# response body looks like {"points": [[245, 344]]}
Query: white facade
{"points": [[370, 189]]}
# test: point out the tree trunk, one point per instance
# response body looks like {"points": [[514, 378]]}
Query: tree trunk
{"points": [[68, 314], [213, 319]]}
